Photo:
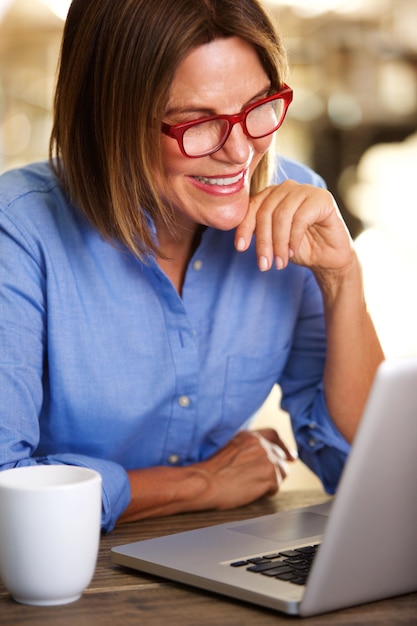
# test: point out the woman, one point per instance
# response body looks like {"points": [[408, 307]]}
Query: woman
{"points": [[155, 284]]}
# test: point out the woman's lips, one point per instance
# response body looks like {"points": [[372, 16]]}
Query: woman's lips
{"points": [[221, 185]]}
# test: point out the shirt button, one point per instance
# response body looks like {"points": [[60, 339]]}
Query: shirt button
{"points": [[184, 401], [197, 265], [312, 442], [173, 459], [312, 425]]}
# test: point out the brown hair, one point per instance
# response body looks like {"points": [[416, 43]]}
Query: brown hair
{"points": [[117, 62]]}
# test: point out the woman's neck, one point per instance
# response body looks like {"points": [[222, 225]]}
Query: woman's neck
{"points": [[176, 250]]}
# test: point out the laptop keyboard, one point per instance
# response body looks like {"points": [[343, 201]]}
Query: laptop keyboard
{"points": [[290, 565]]}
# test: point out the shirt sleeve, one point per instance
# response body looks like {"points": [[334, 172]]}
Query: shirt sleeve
{"points": [[23, 363], [320, 445]]}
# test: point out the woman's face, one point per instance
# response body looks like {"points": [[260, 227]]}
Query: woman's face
{"points": [[223, 76]]}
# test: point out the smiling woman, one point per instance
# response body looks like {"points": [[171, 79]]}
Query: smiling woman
{"points": [[146, 65], [138, 267]]}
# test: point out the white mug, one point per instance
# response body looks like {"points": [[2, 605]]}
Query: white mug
{"points": [[50, 518]]}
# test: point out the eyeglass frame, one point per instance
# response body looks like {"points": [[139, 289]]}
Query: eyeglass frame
{"points": [[176, 131]]}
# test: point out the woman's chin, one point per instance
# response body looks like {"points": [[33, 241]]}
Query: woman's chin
{"points": [[228, 218]]}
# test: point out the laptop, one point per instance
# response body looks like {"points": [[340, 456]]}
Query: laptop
{"points": [[364, 540]]}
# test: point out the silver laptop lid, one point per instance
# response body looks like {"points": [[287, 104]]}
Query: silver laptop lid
{"points": [[369, 550]]}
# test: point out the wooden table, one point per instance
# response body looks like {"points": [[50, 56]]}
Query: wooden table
{"points": [[122, 597]]}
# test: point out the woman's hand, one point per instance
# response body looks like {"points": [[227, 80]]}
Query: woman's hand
{"points": [[298, 222], [251, 465]]}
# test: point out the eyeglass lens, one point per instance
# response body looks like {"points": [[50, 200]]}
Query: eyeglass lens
{"points": [[210, 135]]}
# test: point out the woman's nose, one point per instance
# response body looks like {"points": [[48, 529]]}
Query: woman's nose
{"points": [[237, 147]]}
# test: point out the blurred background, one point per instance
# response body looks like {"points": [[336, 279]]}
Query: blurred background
{"points": [[354, 120]]}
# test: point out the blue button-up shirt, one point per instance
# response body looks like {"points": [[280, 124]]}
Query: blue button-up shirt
{"points": [[103, 364]]}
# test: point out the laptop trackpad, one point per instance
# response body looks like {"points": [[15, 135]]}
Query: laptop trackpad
{"points": [[288, 527]]}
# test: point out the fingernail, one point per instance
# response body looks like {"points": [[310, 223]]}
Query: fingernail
{"points": [[279, 263], [263, 263], [291, 253], [241, 244]]}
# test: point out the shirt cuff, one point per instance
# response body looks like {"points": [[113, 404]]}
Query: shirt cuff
{"points": [[321, 446], [115, 484]]}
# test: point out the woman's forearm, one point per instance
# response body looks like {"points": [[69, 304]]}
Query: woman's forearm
{"points": [[237, 474], [354, 351], [161, 491]]}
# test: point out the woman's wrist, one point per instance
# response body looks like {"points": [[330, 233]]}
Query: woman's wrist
{"points": [[335, 282]]}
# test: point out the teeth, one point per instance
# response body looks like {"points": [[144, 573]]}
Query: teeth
{"points": [[220, 181]]}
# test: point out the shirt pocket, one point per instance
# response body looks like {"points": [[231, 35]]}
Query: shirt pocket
{"points": [[248, 382]]}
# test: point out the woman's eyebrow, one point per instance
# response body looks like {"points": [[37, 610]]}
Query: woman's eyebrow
{"points": [[175, 110], [261, 94]]}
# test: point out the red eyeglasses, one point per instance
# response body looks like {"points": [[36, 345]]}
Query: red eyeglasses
{"points": [[208, 134]]}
